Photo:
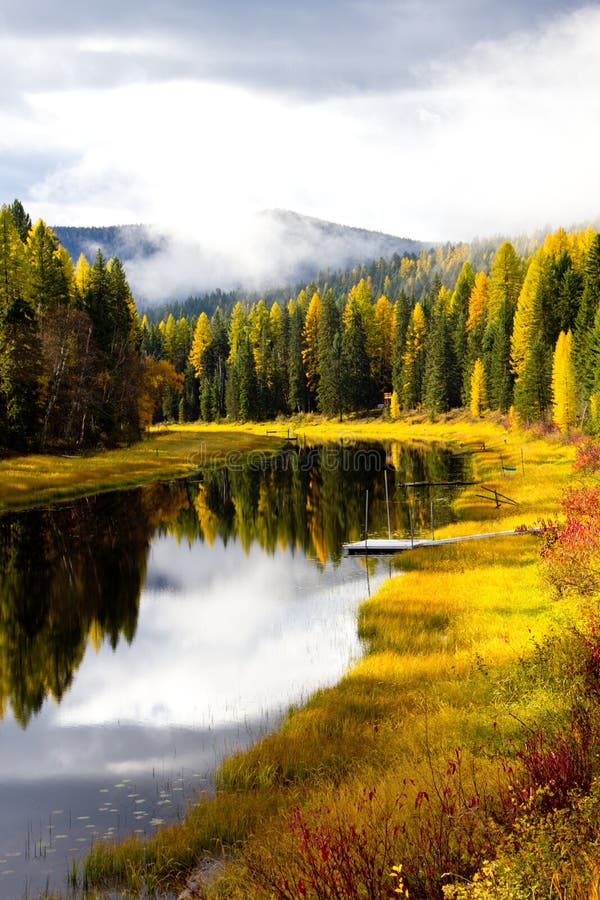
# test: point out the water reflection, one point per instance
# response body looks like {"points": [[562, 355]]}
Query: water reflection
{"points": [[150, 632], [73, 574]]}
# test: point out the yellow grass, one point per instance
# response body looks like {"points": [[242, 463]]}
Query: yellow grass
{"points": [[166, 453]]}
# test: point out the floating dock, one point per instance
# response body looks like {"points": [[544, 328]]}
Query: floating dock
{"points": [[382, 546]]}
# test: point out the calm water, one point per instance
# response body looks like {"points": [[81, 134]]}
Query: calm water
{"points": [[146, 634]]}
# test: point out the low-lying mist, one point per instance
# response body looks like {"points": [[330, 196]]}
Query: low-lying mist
{"points": [[267, 250]]}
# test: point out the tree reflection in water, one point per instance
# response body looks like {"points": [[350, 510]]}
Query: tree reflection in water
{"points": [[73, 574]]}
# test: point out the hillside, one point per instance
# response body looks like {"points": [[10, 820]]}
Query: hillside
{"points": [[277, 247]]}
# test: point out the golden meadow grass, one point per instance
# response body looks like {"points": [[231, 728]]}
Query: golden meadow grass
{"points": [[165, 453], [446, 664]]}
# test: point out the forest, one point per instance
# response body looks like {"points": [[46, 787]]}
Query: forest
{"points": [[506, 329]]}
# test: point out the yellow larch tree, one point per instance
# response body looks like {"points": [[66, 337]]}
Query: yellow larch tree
{"points": [[238, 328], [385, 323], [478, 396], [527, 315], [564, 385], [200, 343], [310, 337], [478, 301], [83, 277]]}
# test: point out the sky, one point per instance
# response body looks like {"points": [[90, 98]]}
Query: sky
{"points": [[432, 120]]}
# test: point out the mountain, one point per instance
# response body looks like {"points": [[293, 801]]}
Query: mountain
{"points": [[274, 248], [125, 241]]}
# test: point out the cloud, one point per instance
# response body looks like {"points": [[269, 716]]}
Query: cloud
{"points": [[263, 251], [501, 137], [310, 48]]}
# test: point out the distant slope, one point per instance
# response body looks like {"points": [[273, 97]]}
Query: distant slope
{"points": [[277, 247], [325, 245], [125, 241]]}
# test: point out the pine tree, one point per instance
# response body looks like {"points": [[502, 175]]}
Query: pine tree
{"points": [[279, 327], [21, 219], [438, 360], [500, 378], [245, 367], [47, 281], [219, 356], [533, 393], [584, 323], [358, 388], [330, 392], [402, 313], [20, 372], [297, 381], [458, 316]]}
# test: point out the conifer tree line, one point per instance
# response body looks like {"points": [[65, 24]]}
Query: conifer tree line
{"points": [[79, 368], [521, 333], [72, 371]]}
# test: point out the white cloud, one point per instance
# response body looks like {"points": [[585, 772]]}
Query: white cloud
{"points": [[503, 140]]}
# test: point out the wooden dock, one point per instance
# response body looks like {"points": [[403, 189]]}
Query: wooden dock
{"points": [[383, 546]]}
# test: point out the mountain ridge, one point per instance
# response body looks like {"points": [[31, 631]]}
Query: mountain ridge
{"points": [[279, 247]]}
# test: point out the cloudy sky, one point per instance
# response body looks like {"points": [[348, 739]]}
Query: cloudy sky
{"points": [[431, 119]]}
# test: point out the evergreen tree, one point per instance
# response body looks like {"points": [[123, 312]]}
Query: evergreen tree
{"points": [[500, 378], [533, 394], [219, 355], [245, 367], [310, 350], [47, 281], [357, 387], [21, 219], [297, 380], [20, 371], [584, 323], [402, 313], [330, 396], [459, 314], [438, 359]]}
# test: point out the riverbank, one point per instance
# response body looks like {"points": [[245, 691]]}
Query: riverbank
{"points": [[179, 450], [39, 479], [463, 659]]}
